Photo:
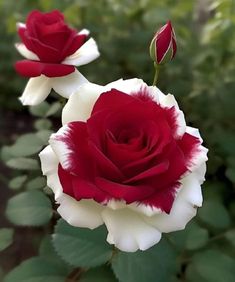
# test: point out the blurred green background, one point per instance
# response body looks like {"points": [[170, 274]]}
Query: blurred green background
{"points": [[202, 78]]}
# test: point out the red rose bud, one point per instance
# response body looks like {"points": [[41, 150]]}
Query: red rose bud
{"points": [[163, 46]]}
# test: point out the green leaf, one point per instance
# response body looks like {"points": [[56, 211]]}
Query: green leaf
{"points": [[47, 251], [214, 266], [44, 136], [81, 246], [230, 173], [23, 164], [37, 270], [214, 214], [26, 145], [46, 248], [6, 237], [31, 208], [6, 153], [54, 109], [42, 124], [17, 182], [98, 274], [36, 183], [153, 265], [192, 275], [1, 274], [230, 236], [197, 237], [40, 110]]}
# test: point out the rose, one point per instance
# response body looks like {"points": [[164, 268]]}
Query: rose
{"points": [[163, 45], [126, 158], [52, 50]]}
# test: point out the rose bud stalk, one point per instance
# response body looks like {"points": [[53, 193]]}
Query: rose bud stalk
{"points": [[163, 47]]}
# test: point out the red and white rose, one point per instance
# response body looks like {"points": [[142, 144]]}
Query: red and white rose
{"points": [[52, 50], [125, 158]]}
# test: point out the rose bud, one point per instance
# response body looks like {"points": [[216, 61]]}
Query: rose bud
{"points": [[163, 46], [138, 171], [52, 50]]}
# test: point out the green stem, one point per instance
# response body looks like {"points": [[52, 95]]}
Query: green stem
{"points": [[157, 69]]}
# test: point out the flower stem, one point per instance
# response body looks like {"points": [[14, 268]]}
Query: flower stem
{"points": [[157, 69]]}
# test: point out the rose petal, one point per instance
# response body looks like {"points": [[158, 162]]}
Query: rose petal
{"points": [[66, 85], [183, 209], [128, 231], [73, 45], [80, 104], [49, 165], [195, 153], [36, 90], [84, 213], [200, 157], [194, 131], [35, 68], [136, 207], [20, 25], [127, 86], [61, 148], [84, 31], [84, 55], [25, 52], [169, 101]]}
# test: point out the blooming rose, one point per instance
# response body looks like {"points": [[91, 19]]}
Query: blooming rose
{"points": [[125, 158], [163, 46], [52, 50]]}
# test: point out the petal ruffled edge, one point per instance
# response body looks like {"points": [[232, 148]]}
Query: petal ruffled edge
{"points": [[128, 231], [200, 157], [49, 165], [188, 199], [84, 213]]}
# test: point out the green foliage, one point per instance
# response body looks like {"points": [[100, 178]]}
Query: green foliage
{"points": [[31, 208], [153, 265], [214, 214], [99, 274], [230, 236], [37, 269], [26, 145], [6, 237], [23, 163], [197, 237], [214, 266], [81, 246], [36, 183], [17, 182], [45, 110]]}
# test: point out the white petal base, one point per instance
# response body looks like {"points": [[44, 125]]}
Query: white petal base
{"points": [[84, 213], [128, 231], [67, 85], [36, 90]]}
